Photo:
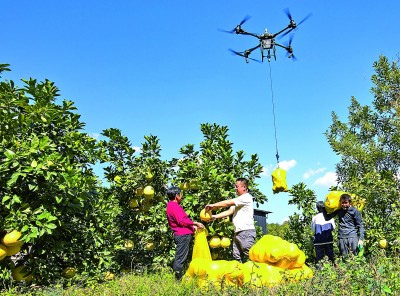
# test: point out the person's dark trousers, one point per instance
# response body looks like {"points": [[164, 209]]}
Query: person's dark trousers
{"points": [[322, 250], [348, 245], [182, 243]]}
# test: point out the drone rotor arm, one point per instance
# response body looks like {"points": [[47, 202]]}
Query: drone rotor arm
{"points": [[253, 48], [243, 32], [288, 29], [254, 35], [282, 46]]}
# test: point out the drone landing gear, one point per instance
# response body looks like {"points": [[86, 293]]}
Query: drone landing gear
{"points": [[269, 54]]}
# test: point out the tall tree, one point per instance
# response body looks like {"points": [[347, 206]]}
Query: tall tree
{"points": [[48, 190], [369, 146]]}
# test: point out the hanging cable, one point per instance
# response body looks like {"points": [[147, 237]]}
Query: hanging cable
{"points": [[273, 113]]}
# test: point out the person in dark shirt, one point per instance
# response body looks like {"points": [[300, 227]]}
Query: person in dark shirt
{"points": [[351, 227], [322, 227]]}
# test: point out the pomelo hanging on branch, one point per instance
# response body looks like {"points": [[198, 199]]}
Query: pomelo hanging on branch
{"points": [[225, 242], [215, 242], [148, 192], [69, 272], [12, 238]]}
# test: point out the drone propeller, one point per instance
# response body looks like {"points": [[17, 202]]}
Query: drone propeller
{"points": [[304, 19], [244, 54], [245, 19], [238, 28], [289, 49], [287, 12], [293, 25]]}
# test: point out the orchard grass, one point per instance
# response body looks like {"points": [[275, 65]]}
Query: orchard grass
{"points": [[377, 276]]}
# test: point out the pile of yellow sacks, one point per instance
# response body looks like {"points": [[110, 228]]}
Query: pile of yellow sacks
{"points": [[273, 260], [332, 201]]}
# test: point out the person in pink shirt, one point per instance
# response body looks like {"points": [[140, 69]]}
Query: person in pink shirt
{"points": [[183, 228]]}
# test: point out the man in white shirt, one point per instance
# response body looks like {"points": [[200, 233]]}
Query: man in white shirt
{"points": [[242, 210]]}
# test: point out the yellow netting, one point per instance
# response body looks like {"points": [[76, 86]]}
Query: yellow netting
{"points": [[332, 201], [279, 181], [274, 261], [201, 249]]}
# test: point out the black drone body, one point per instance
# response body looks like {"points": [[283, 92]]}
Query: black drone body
{"points": [[267, 43]]}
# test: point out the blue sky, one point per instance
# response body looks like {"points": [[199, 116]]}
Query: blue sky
{"points": [[163, 68]]}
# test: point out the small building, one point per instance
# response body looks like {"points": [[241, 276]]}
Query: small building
{"points": [[261, 216]]}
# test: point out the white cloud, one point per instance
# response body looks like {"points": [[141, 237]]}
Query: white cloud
{"points": [[267, 171], [327, 180], [264, 172], [95, 135], [287, 164], [285, 220], [137, 149], [310, 173]]}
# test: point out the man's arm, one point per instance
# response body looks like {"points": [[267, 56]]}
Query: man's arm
{"points": [[359, 224], [220, 204], [223, 214], [330, 216]]}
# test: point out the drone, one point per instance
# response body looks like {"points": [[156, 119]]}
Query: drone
{"points": [[267, 43]]}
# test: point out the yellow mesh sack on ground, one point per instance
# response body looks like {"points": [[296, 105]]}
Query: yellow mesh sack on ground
{"points": [[201, 249], [279, 181]]}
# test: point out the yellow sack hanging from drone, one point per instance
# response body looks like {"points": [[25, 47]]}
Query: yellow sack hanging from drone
{"points": [[279, 181]]}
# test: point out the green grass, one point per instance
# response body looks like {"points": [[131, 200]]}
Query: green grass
{"points": [[378, 276]]}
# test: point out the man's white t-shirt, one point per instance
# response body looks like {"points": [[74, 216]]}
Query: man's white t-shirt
{"points": [[243, 212]]}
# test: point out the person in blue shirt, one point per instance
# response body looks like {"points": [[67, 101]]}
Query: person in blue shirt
{"points": [[322, 227]]}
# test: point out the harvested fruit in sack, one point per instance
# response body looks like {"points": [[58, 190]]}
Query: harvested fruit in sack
{"points": [[279, 181], [200, 247], [332, 201]]}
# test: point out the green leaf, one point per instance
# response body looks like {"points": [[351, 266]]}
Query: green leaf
{"points": [[35, 142], [42, 215], [16, 199], [51, 218], [34, 163], [32, 187], [9, 154], [13, 179], [51, 226], [5, 198], [33, 233]]}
